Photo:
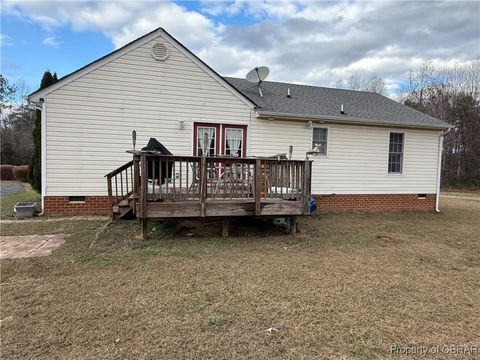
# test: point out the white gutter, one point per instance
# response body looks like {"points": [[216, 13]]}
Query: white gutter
{"points": [[269, 115], [439, 168]]}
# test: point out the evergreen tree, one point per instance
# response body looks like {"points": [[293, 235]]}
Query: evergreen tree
{"points": [[35, 166]]}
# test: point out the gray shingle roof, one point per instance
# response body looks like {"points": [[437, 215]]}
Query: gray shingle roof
{"points": [[317, 102]]}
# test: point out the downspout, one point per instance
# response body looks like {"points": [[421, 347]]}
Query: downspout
{"points": [[43, 153], [439, 168]]}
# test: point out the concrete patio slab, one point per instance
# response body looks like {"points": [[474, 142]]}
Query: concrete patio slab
{"points": [[29, 245]]}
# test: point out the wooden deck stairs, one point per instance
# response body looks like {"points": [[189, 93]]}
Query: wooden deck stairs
{"points": [[124, 209]]}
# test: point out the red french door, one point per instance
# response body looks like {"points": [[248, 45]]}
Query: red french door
{"points": [[219, 139], [234, 140], [206, 139]]}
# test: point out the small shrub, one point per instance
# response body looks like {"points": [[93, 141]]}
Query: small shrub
{"points": [[20, 173], [6, 172], [214, 321]]}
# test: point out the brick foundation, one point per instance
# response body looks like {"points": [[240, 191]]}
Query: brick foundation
{"points": [[59, 205], [375, 202]]}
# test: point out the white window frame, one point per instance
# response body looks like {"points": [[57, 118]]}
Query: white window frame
{"points": [[223, 129], [327, 141], [402, 172], [214, 143]]}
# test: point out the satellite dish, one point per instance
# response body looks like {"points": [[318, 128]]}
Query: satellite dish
{"points": [[258, 74]]}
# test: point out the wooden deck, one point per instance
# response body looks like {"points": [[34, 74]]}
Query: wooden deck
{"points": [[158, 186]]}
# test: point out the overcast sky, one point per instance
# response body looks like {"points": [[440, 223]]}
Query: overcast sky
{"points": [[314, 43]]}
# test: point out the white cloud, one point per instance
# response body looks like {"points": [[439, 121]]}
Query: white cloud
{"points": [[301, 41], [51, 41], [120, 21], [5, 40], [257, 9]]}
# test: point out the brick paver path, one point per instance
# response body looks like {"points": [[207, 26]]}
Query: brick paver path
{"points": [[29, 245]]}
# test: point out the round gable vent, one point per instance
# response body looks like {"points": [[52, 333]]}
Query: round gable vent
{"points": [[160, 51]]}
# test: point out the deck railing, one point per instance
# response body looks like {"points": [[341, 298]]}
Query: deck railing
{"points": [[120, 184], [179, 178], [160, 186]]}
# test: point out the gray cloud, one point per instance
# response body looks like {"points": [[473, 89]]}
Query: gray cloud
{"points": [[301, 41], [328, 41]]}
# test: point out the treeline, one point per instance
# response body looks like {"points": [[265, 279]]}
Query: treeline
{"points": [[16, 122], [453, 96], [20, 128]]}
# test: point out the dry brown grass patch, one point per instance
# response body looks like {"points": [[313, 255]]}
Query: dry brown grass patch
{"points": [[349, 286]]}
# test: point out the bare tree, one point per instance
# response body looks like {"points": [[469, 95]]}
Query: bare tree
{"points": [[16, 124], [420, 80], [357, 81], [340, 84], [462, 78], [451, 95], [7, 94], [375, 84]]}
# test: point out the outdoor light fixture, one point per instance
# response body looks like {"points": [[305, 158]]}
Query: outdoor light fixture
{"points": [[181, 124], [134, 138]]}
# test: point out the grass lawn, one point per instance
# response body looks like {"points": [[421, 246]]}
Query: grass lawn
{"points": [[9, 201], [348, 287]]}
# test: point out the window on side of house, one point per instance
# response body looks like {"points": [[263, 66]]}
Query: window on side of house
{"points": [[395, 153], [320, 139]]}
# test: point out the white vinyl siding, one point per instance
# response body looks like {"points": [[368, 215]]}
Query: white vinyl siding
{"points": [[90, 120], [357, 162], [357, 157]]}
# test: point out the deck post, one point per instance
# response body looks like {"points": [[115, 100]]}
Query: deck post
{"points": [[144, 226], [110, 200], [225, 227], [293, 225], [203, 186], [258, 186], [136, 181], [143, 196]]}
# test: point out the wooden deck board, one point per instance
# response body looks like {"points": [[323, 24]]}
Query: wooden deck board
{"points": [[222, 208]]}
